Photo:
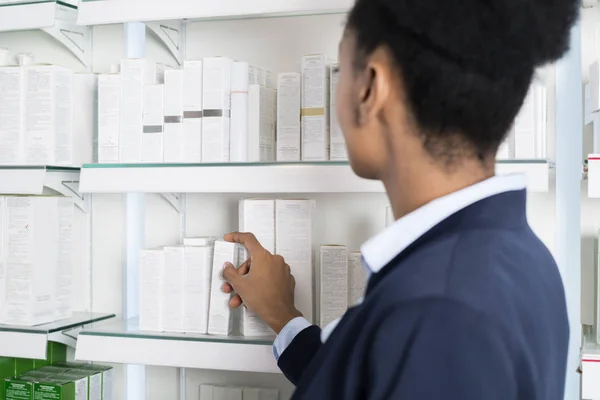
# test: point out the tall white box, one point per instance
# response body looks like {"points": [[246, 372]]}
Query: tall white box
{"points": [[109, 97], [261, 124], [240, 86], [293, 241], [200, 241], [192, 111], [211, 392], [152, 272], [64, 267], [357, 278], [79, 149], [136, 74], [530, 125], [48, 115], [216, 109], [30, 243], [288, 117], [152, 119], [220, 317], [595, 86], [260, 394], [315, 108], [198, 266], [173, 135], [337, 142], [12, 115], [173, 288], [334, 283], [257, 216]]}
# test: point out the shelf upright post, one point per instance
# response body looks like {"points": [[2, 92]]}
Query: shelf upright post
{"points": [[182, 234], [569, 128], [135, 375]]}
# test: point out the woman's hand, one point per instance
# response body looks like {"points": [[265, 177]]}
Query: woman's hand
{"points": [[263, 283]]}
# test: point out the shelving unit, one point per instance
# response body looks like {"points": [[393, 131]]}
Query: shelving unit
{"points": [[31, 342], [122, 342], [56, 18], [42, 180], [322, 177], [98, 12]]}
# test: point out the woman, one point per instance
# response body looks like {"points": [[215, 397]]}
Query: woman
{"points": [[463, 301]]}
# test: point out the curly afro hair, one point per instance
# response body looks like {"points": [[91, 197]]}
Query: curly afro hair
{"points": [[466, 66]]}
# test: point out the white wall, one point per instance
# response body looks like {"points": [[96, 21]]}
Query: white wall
{"points": [[276, 44]]}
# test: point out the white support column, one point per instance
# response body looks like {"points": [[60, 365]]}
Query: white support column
{"points": [[569, 130], [135, 375], [182, 234]]}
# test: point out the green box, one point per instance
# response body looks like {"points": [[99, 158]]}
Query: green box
{"points": [[7, 370], [70, 365], [81, 384], [58, 389], [107, 378], [54, 369], [18, 389]]}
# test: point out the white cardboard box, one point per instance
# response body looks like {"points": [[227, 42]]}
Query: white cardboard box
{"points": [[64, 267], [12, 111], [240, 86], [261, 124], [109, 96], [173, 136], [260, 394], [152, 271], [48, 115], [192, 111], [293, 241], [173, 288], [257, 216], [530, 125], [220, 316], [30, 254], [136, 74], [288, 117], [337, 142], [216, 109], [198, 266], [357, 278], [315, 108], [81, 147], [152, 119], [334, 283]]}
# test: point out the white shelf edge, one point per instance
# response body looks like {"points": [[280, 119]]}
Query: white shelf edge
{"points": [[295, 178], [31, 342], [284, 178], [176, 353], [111, 12]]}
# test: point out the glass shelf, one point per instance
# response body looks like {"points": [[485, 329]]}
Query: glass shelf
{"points": [[31, 341], [261, 178], [78, 319], [272, 164], [49, 168], [96, 12], [121, 342], [130, 329]]}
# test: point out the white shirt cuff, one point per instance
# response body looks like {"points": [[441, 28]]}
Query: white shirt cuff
{"points": [[287, 335]]}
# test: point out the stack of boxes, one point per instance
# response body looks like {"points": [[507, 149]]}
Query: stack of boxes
{"points": [[36, 256], [47, 115], [61, 381], [215, 392], [180, 286]]}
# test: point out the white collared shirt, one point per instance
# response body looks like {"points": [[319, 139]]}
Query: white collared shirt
{"points": [[381, 249]]}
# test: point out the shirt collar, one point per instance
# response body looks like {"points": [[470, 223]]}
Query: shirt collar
{"points": [[382, 248]]}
